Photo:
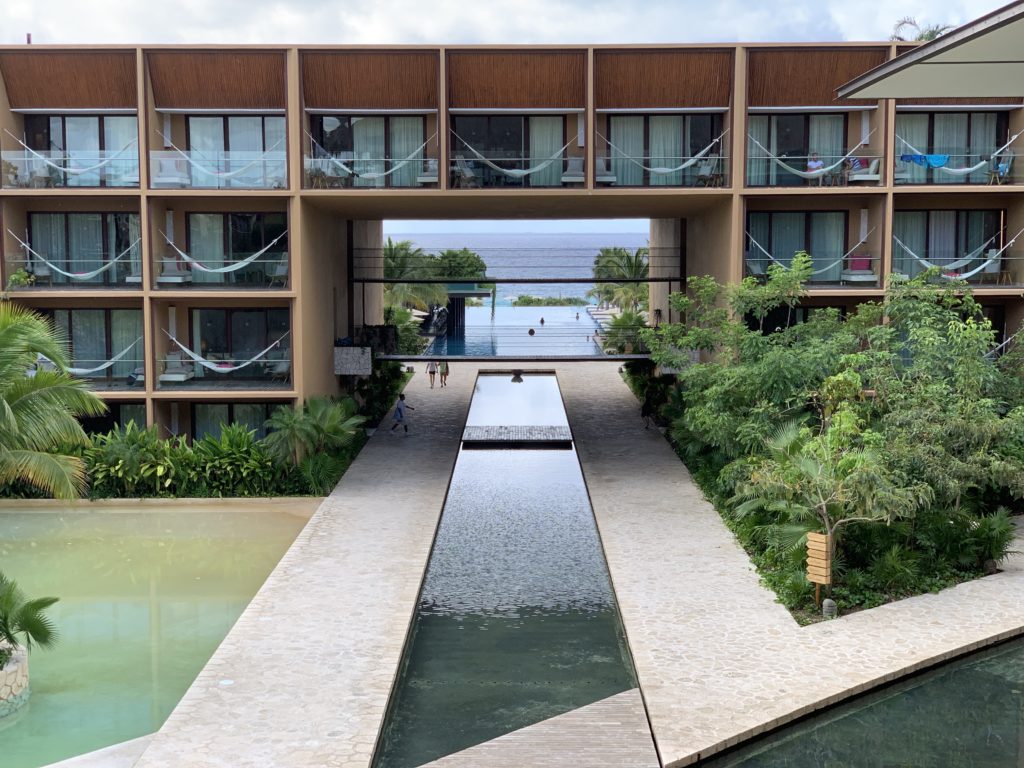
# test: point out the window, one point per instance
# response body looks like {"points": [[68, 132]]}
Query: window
{"points": [[209, 418], [82, 243], [822, 234], [945, 239], [511, 142], [220, 239], [967, 138], [241, 150], [660, 141], [105, 344], [85, 141], [118, 415], [237, 335], [380, 150], [792, 138]]}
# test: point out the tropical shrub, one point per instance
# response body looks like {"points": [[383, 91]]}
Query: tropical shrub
{"points": [[23, 621]]}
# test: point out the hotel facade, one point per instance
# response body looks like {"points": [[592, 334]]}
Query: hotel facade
{"points": [[206, 222]]}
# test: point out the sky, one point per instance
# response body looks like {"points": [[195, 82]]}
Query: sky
{"points": [[370, 22]]}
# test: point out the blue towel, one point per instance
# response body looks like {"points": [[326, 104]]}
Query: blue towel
{"points": [[930, 161]]}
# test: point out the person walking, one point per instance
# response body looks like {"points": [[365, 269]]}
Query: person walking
{"points": [[432, 372], [400, 414], [648, 410], [443, 370]]}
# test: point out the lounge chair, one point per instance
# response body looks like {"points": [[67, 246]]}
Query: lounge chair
{"points": [[858, 270], [573, 171], [707, 173], [173, 273], [601, 173], [177, 369], [41, 271], [428, 175], [466, 177], [170, 172], [869, 174], [999, 173], [278, 272]]}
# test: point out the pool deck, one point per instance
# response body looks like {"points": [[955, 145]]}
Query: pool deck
{"points": [[303, 678]]}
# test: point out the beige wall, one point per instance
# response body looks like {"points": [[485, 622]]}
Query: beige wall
{"points": [[665, 261], [368, 240], [710, 245]]}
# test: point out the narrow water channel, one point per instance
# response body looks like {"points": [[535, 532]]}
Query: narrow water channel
{"points": [[516, 622]]}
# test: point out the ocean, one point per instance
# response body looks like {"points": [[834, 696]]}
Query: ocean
{"points": [[569, 255]]}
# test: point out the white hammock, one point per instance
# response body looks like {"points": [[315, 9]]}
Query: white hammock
{"points": [[516, 173], [961, 262], [219, 366], [220, 174], [661, 170], [108, 364], [815, 174], [232, 267], [373, 175], [68, 169], [75, 275], [833, 265], [961, 171]]}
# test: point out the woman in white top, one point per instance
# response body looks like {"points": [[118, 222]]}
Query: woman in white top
{"points": [[432, 372]]}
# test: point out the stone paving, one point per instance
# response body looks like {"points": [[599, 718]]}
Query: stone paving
{"points": [[304, 677], [123, 755]]}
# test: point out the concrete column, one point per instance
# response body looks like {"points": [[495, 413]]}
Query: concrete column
{"points": [[368, 244], [666, 260]]}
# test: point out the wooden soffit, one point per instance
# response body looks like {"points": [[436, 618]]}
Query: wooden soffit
{"points": [[662, 79], [799, 77], [370, 79], [525, 80], [62, 80], [225, 79]]}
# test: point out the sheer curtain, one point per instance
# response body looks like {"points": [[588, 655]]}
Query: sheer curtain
{"points": [[123, 229], [627, 133], [85, 244], [828, 243], [88, 340], [253, 415], [666, 148], [546, 134], [118, 133], [83, 149], [787, 236], [759, 227], [913, 129], [759, 128], [368, 148], [206, 144], [276, 152], [206, 244], [942, 245], [48, 240], [125, 328], [406, 138], [245, 143], [911, 228], [827, 137], [983, 142], [210, 417], [951, 139]]}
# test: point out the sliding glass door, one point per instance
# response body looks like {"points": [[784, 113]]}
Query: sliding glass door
{"points": [[775, 237], [85, 249]]}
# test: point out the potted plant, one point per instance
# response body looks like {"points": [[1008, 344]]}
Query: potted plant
{"points": [[23, 624], [20, 279], [10, 173]]}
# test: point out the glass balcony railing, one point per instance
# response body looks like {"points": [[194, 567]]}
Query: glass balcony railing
{"points": [[122, 373], [344, 170], [266, 270], [804, 169], [78, 272], [620, 170], [501, 170], [218, 170], [226, 371], [855, 271], [992, 268], [54, 169], [955, 165]]}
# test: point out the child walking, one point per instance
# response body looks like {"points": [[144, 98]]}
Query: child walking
{"points": [[400, 414]]}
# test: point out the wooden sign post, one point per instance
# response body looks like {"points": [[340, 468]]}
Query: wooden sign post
{"points": [[819, 562]]}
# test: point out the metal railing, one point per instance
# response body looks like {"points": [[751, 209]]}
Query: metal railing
{"points": [[75, 273], [270, 270], [856, 271], [616, 169], [56, 169], [497, 170], [344, 170], [952, 165], [171, 169], [990, 269], [763, 170], [178, 371]]}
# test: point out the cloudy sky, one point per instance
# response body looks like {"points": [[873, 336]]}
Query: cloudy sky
{"points": [[463, 21]]}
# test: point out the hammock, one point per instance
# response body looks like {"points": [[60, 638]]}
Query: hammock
{"points": [[373, 175], [67, 169], [516, 173], [661, 170], [220, 174], [959, 171], [232, 267], [963, 262], [960, 262], [817, 173], [220, 366], [833, 265], [75, 275], [103, 366]]}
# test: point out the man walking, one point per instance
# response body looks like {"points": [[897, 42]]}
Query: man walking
{"points": [[400, 414]]}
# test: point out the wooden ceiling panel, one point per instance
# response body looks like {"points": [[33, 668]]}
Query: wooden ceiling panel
{"points": [[807, 77], [370, 79], [226, 79], [496, 79], [665, 79], [70, 79]]}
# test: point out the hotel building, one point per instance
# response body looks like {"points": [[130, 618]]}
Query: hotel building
{"points": [[205, 222]]}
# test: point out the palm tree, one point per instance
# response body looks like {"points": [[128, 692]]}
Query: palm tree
{"points": [[923, 34], [404, 261], [322, 426], [334, 423], [23, 622], [622, 334], [621, 264], [291, 436], [39, 413]]}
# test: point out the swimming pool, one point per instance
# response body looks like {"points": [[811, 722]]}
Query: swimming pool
{"points": [[145, 599], [508, 333]]}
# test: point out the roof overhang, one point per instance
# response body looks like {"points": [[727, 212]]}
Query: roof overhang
{"points": [[984, 58]]}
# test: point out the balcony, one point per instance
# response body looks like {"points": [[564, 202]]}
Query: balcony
{"points": [[988, 268], [55, 169], [180, 370], [235, 169], [106, 347], [80, 262], [956, 165], [854, 271], [343, 170], [262, 270], [809, 169], [621, 170], [503, 170]]}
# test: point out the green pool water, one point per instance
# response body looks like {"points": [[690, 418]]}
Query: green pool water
{"points": [[145, 599]]}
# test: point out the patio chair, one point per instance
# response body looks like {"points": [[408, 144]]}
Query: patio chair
{"points": [[170, 172], [708, 174], [428, 175], [466, 177], [858, 270], [41, 272], [573, 171], [173, 273], [1000, 170], [601, 173], [177, 369], [278, 272], [869, 174]]}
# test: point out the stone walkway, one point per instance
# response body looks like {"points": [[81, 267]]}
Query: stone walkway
{"points": [[303, 679]]}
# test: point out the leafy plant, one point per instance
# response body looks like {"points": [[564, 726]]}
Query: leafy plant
{"points": [[20, 278], [23, 621]]}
